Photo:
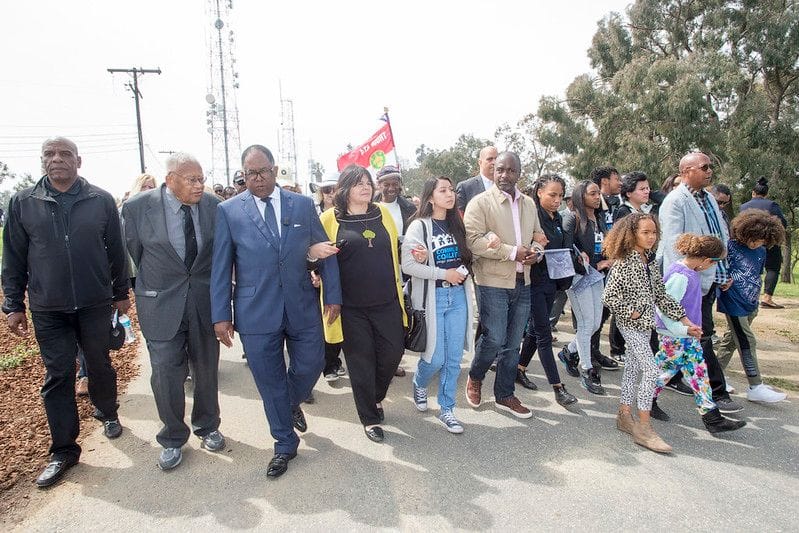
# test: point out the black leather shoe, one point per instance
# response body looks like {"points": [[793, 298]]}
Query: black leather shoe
{"points": [[658, 413], [54, 471], [563, 397], [374, 434], [279, 464], [606, 362], [298, 419], [524, 381]]}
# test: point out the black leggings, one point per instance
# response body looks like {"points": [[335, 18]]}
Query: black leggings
{"points": [[538, 334], [770, 283]]}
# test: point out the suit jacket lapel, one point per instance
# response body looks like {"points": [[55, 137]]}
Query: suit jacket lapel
{"points": [[286, 206], [157, 219], [696, 211], [206, 230], [248, 205]]}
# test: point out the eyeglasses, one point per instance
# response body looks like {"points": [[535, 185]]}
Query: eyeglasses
{"points": [[262, 173], [723, 203], [192, 180], [326, 190], [705, 167], [715, 259]]}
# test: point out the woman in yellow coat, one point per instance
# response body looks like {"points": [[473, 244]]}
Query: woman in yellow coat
{"points": [[372, 318]]}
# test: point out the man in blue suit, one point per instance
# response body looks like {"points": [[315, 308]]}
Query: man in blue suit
{"points": [[267, 235]]}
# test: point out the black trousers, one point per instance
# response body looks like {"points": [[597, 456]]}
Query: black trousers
{"points": [[614, 337], [715, 373], [58, 335], [332, 360], [373, 346], [538, 334]]}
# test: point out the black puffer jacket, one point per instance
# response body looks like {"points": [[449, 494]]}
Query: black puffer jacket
{"points": [[64, 268]]}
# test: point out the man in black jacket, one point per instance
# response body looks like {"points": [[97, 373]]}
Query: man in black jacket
{"points": [[63, 244]]}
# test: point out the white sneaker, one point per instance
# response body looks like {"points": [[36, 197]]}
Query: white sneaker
{"points": [[729, 388], [764, 393]]}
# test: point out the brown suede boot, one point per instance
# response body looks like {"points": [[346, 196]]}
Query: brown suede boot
{"points": [[644, 435], [625, 422]]}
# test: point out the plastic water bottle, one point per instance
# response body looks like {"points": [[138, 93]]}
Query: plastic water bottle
{"points": [[129, 335]]}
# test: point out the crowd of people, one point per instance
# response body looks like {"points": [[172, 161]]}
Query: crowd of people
{"points": [[343, 272]]}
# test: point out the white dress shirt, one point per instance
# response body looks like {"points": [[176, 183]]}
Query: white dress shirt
{"points": [[487, 183]]}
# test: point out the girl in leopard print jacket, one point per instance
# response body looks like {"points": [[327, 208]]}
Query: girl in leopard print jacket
{"points": [[634, 286]]}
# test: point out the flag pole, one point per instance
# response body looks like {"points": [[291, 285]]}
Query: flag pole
{"points": [[393, 139]]}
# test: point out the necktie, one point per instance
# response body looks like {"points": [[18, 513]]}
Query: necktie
{"points": [[191, 237], [270, 218]]}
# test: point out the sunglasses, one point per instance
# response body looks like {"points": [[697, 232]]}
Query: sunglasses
{"points": [[724, 203], [326, 190], [705, 167]]}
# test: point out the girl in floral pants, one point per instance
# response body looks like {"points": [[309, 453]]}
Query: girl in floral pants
{"points": [[678, 350]]}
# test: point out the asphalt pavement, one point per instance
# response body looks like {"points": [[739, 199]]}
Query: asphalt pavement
{"points": [[560, 470]]}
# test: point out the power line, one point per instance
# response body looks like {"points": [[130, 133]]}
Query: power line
{"points": [[61, 126], [136, 95], [76, 136]]}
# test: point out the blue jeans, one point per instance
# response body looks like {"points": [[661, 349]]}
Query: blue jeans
{"points": [[450, 334], [503, 315]]}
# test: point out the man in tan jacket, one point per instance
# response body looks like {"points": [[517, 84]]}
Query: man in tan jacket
{"points": [[501, 225]]}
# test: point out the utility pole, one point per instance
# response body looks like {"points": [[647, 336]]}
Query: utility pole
{"points": [[134, 87]]}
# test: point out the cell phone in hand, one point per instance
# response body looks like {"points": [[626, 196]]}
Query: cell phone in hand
{"points": [[340, 244], [463, 270]]}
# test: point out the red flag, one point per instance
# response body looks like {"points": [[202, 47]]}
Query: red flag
{"points": [[372, 153]]}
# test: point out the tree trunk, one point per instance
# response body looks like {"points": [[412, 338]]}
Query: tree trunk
{"points": [[787, 260]]}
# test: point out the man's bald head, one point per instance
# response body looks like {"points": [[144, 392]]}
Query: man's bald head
{"points": [[60, 161], [696, 171], [692, 159], [485, 161], [61, 140]]}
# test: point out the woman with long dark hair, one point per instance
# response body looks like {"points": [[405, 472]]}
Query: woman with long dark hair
{"points": [[438, 228], [372, 315], [589, 231], [547, 193]]}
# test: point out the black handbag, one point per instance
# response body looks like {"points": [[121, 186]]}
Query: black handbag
{"points": [[416, 334]]}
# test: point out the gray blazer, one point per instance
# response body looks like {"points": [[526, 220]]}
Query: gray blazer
{"points": [[468, 189], [679, 213], [163, 284]]}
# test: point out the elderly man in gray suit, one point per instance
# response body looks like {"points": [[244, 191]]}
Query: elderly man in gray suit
{"points": [[169, 233], [688, 208], [468, 189]]}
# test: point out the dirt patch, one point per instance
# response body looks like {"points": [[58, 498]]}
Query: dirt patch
{"points": [[777, 332], [23, 425]]}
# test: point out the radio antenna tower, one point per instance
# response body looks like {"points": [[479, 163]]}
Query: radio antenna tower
{"points": [[222, 116], [286, 145]]}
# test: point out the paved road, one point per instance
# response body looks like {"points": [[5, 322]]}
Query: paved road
{"points": [[559, 470]]}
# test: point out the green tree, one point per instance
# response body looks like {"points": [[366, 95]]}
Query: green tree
{"points": [[457, 162], [679, 75], [19, 183], [528, 138]]}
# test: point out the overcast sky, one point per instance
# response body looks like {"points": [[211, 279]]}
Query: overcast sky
{"points": [[443, 68]]}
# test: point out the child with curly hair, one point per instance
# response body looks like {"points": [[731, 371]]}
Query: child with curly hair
{"points": [[634, 287], [678, 350], [751, 233]]}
